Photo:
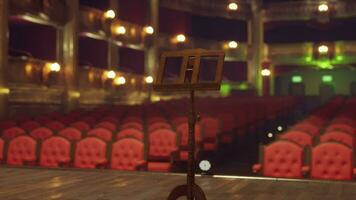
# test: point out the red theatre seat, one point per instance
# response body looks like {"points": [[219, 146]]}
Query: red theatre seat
{"points": [[41, 133], [2, 144], [72, 134], [108, 125], [13, 132], [101, 133], [30, 125], [300, 137], [21, 151], [211, 129], [55, 126], [332, 161], [162, 144], [135, 125], [90, 152], [281, 159], [158, 125], [130, 132], [55, 151], [127, 154], [341, 127], [307, 127], [81, 126], [338, 136]]}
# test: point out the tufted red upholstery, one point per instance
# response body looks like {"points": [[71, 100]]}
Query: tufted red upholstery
{"points": [[54, 151], [90, 152], [158, 125], [41, 133], [341, 127], [130, 132], [332, 161], [338, 136], [20, 149], [55, 125], [179, 120], [2, 143], [7, 124], [183, 130], [307, 127], [300, 137], [162, 143], [101, 133], [135, 125], [283, 159], [30, 125], [12, 133], [108, 125], [72, 134], [81, 126], [127, 154]]}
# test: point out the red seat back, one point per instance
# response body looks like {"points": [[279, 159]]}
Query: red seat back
{"points": [[283, 159], [341, 127], [41, 133], [332, 161], [130, 132], [135, 125], [162, 143], [72, 134], [101, 133], [54, 151], [2, 143], [55, 125], [108, 125], [307, 127], [30, 125], [126, 154], [211, 127], [300, 137], [80, 125], [338, 136], [90, 152], [158, 125], [183, 131], [7, 124], [20, 149], [12, 133]]}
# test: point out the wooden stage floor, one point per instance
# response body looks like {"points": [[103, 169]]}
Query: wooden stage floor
{"points": [[45, 184]]}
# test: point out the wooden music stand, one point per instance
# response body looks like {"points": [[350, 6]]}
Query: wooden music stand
{"points": [[188, 80]]}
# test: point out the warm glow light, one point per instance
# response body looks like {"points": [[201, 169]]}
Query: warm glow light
{"points": [[149, 79], [54, 67], [120, 30], [270, 135], [180, 38], [279, 128], [120, 80], [110, 74], [265, 72], [323, 7], [323, 49], [110, 14], [233, 45], [149, 30], [233, 6]]}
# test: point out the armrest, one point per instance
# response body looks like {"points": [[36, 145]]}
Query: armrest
{"points": [[141, 165], [256, 168], [305, 170]]}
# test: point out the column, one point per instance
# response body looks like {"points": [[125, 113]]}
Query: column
{"points": [[4, 91], [113, 49], [151, 52], [255, 41], [67, 55]]}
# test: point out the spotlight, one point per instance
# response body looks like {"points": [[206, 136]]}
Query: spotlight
{"points": [[232, 45], [180, 38], [233, 6], [120, 80], [205, 166], [323, 49], [110, 14], [270, 135], [120, 30], [149, 30], [149, 79], [279, 128], [265, 72], [110, 74], [54, 67], [323, 7]]}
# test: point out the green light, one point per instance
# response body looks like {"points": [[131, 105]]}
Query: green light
{"points": [[297, 79], [339, 58], [243, 86], [327, 78], [225, 89], [308, 59]]}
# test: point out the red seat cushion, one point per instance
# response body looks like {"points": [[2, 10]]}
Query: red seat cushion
{"points": [[300, 137], [55, 125], [130, 132], [127, 154], [102, 133], [71, 134], [159, 166], [81, 126], [158, 125], [108, 125], [41, 133], [12, 132], [21, 148], [135, 125], [2, 143], [54, 151]]}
